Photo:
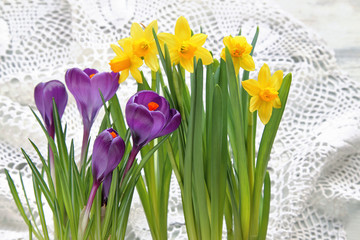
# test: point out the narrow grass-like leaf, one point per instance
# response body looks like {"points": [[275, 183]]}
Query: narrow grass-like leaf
{"points": [[40, 209], [39, 179], [265, 208]]}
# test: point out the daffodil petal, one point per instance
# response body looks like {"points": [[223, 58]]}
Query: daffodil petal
{"points": [[136, 32], [264, 76], [117, 50], [227, 41], [148, 30], [254, 103], [276, 79], [188, 64], [175, 57], [124, 75], [204, 54], [198, 39], [222, 54], [265, 111], [251, 86], [136, 74], [237, 64], [182, 29], [169, 39], [152, 62], [277, 102], [122, 42], [247, 63]]}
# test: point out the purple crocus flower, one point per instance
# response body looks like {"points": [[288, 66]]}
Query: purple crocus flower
{"points": [[149, 116], [85, 86], [44, 94], [108, 151]]}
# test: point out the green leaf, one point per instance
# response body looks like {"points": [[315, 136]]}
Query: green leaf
{"points": [[265, 208], [40, 208]]}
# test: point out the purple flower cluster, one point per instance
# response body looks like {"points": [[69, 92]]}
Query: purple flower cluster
{"points": [[148, 116]]}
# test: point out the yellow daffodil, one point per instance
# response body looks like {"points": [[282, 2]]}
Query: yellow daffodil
{"points": [[240, 53], [183, 47], [126, 61], [144, 45], [264, 92]]}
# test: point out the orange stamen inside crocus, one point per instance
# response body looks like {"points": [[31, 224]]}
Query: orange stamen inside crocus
{"points": [[92, 75], [153, 106], [113, 134]]}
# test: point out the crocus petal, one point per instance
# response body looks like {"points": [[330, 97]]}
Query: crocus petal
{"points": [[182, 29], [55, 89], [139, 121], [106, 188], [152, 62], [159, 123], [136, 31], [39, 98], [247, 63], [149, 30], [173, 123], [276, 79], [105, 83], [90, 71], [43, 94], [78, 84], [265, 111], [146, 96], [204, 55], [251, 86], [198, 39], [255, 103], [115, 154], [264, 76], [188, 64], [100, 155]]}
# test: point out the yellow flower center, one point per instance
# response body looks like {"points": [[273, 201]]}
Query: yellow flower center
{"points": [[268, 94], [141, 47], [120, 63], [187, 50], [238, 51], [153, 106], [92, 75]]}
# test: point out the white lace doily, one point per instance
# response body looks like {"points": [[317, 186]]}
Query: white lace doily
{"points": [[315, 163]]}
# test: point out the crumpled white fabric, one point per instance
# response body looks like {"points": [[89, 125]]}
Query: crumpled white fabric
{"points": [[315, 162]]}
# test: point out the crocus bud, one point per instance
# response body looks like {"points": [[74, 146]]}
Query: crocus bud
{"points": [[149, 116], [43, 94], [85, 86], [108, 151]]}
